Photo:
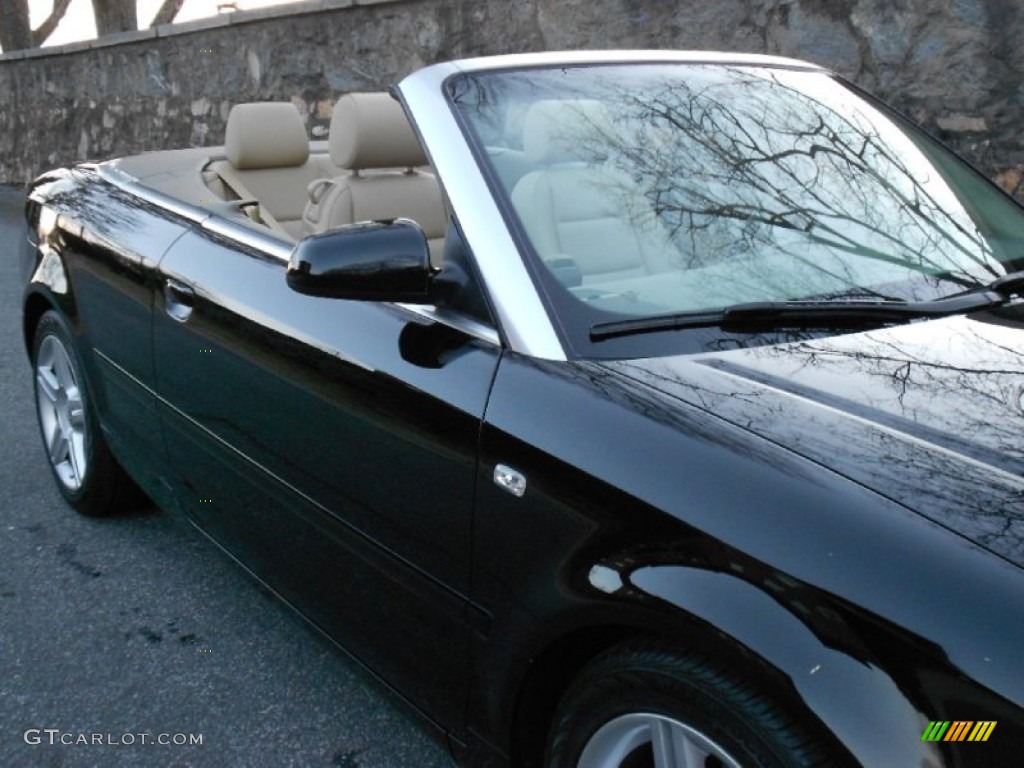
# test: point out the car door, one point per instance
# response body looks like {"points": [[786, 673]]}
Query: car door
{"points": [[330, 446]]}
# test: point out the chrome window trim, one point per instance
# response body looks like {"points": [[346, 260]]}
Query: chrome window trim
{"points": [[115, 176], [456, 320], [267, 244], [572, 58], [276, 248], [522, 316]]}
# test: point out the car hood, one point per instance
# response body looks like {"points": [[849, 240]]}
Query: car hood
{"points": [[930, 414]]}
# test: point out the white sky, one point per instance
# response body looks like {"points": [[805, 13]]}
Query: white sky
{"points": [[78, 23]]}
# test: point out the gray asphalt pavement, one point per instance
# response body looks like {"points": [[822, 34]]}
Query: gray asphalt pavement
{"points": [[138, 625]]}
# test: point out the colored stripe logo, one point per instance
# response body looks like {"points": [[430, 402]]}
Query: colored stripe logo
{"points": [[958, 730]]}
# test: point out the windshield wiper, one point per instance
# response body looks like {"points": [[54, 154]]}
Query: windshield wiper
{"points": [[1008, 285], [773, 315]]}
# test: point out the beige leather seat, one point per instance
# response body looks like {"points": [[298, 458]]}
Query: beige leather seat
{"points": [[372, 139], [267, 150], [576, 206]]}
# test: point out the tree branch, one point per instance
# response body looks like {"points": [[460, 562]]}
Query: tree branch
{"points": [[45, 29], [168, 10]]}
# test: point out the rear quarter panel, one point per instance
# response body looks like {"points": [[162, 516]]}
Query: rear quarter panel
{"points": [[93, 257]]}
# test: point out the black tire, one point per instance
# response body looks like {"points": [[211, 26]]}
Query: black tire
{"points": [[640, 688], [87, 475]]}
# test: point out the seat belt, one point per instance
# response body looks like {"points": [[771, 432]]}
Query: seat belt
{"points": [[227, 174]]}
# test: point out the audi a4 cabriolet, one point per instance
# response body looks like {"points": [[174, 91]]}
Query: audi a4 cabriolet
{"points": [[616, 409]]}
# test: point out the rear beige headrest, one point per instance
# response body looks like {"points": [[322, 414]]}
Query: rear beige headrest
{"points": [[564, 131], [370, 130], [265, 134]]}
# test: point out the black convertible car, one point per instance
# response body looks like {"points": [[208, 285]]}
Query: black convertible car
{"points": [[617, 409]]}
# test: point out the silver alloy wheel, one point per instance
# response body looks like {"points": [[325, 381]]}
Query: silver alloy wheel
{"points": [[623, 742], [61, 412]]}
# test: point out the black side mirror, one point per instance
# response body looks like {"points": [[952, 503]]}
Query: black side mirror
{"points": [[369, 261]]}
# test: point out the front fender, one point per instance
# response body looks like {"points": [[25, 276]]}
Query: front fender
{"points": [[643, 515], [854, 698]]}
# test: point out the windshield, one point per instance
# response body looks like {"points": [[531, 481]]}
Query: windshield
{"points": [[645, 190]]}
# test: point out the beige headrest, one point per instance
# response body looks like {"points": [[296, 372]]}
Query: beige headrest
{"points": [[370, 130], [265, 134], [564, 131], [515, 118]]}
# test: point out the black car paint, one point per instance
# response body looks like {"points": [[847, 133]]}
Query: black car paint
{"points": [[286, 498], [676, 475], [116, 241], [387, 259], [760, 581]]}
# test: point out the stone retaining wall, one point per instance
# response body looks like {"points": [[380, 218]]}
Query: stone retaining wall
{"points": [[955, 65]]}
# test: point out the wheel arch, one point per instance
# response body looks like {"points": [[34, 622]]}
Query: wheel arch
{"points": [[50, 218], [547, 679], [554, 669], [36, 304], [823, 659], [841, 693]]}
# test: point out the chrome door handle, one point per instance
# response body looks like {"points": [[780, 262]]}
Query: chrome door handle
{"points": [[178, 299]]}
